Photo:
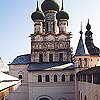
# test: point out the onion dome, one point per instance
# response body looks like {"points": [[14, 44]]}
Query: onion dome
{"points": [[88, 27], [37, 15], [49, 5], [62, 14]]}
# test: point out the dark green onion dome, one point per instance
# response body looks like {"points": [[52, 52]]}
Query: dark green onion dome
{"points": [[62, 14], [37, 15], [49, 5]]}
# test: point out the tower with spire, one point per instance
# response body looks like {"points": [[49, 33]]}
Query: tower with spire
{"points": [[80, 51], [85, 60], [81, 60]]}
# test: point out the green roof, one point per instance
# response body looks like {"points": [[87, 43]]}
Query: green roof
{"points": [[49, 5]]}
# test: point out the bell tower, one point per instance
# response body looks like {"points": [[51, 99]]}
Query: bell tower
{"points": [[50, 45]]}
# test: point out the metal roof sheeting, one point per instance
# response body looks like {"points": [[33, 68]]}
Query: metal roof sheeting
{"points": [[22, 59], [50, 66], [80, 51]]}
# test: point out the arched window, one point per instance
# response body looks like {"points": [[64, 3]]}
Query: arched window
{"points": [[55, 78], [20, 77], [46, 26], [53, 26], [60, 57], [44, 99], [47, 79], [85, 62], [72, 76], [80, 62], [96, 97], [50, 57], [81, 96], [63, 78], [85, 98], [39, 78], [84, 77], [40, 57]]}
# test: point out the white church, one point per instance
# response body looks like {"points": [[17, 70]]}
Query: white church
{"points": [[48, 72]]}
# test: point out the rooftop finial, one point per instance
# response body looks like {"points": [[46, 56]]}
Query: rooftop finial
{"points": [[88, 21], [37, 9], [62, 5], [88, 27], [81, 32]]}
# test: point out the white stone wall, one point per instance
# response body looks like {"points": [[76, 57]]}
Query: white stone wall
{"points": [[52, 90], [22, 93], [91, 91], [16, 70]]}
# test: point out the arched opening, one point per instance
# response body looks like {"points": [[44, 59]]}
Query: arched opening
{"points": [[81, 96], [85, 98], [72, 76], [96, 97], [39, 78], [85, 62], [50, 57], [60, 57], [80, 62], [55, 78], [43, 99], [20, 77], [47, 79], [63, 78], [41, 58]]}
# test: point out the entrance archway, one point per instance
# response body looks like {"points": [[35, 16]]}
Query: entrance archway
{"points": [[43, 99]]}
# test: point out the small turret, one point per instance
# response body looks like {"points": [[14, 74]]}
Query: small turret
{"points": [[37, 15], [62, 18], [38, 18], [62, 14]]}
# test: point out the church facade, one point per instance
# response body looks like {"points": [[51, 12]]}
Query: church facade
{"points": [[49, 71]]}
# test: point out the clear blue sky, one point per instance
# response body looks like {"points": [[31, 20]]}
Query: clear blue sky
{"points": [[16, 24]]}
